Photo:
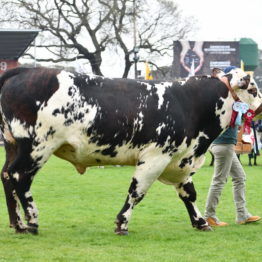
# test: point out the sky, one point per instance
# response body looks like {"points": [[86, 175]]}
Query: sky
{"points": [[225, 20], [219, 20]]}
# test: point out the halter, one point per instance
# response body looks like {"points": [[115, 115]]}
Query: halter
{"points": [[224, 79]]}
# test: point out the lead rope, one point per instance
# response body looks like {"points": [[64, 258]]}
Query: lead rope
{"points": [[233, 93]]}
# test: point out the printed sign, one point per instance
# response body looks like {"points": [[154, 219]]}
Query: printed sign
{"points": [[199, 58]]}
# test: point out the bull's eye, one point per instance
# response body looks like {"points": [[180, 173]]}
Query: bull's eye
{"points": [[252, 91]]}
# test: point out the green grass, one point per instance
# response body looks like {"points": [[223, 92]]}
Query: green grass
{"points": [[77, 214]]}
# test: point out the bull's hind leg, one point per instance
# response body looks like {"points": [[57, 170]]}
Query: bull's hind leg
{"points": [[147, 171], [21, 173], [187, 193], [11, 201]]}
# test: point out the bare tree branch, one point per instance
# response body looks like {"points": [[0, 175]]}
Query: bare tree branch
{"points": [[86, 29]]}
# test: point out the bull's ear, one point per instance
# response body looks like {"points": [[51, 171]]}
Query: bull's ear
{"points": [[229, 77], [216, 72]]}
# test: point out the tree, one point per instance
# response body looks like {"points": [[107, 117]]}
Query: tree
{"points": [[86, 29]]}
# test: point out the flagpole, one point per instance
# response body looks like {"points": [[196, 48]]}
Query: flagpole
{"points": [[135, 47]]}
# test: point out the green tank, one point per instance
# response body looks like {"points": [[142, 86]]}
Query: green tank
{"points": [[249, 53]]}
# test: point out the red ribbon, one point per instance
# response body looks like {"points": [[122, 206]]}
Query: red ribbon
{"points": [[248, 116], [233, 118]]}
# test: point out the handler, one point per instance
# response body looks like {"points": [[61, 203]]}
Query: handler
{"points": [[226, 163]]}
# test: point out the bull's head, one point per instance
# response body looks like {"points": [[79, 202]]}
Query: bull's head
{"points": [[245, 88]]}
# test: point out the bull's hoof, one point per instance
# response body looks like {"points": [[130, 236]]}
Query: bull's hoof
{"points": [[121, 232], [206, 228], [32, 228], [21, 230]]}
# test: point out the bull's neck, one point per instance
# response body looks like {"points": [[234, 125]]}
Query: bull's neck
{"points": [[214, 108]]}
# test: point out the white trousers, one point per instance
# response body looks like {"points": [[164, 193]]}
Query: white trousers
{"points": [[226, 163]]}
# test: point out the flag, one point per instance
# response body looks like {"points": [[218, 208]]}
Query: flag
{"points": [[148, 74], [242, 65]]}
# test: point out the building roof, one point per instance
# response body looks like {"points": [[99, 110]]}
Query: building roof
{"points": [[13, 43]]}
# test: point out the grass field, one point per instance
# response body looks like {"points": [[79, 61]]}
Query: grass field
{"points": [[77, 214]]}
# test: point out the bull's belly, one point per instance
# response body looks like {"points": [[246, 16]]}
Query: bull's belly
{"points": [[173, 176], [83, 157]]}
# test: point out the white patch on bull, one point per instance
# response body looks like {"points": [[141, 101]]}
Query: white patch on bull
{"points": [[159, 128], [227, 109], [161, 89], [28, 194], [18, 129], [16, 176], [138, 122], [167, 104], [33, 213], [182, 82], [94, 77], [38, 103], [6, 176], [198, 214], [19, 221], [148, 86], [8, 136]]}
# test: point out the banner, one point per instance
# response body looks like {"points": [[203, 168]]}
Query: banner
{"points": [[199, 58]]}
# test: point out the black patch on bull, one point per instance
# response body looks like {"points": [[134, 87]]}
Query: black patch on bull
{"points": [[23, 160], [50, 132], [36, 85], [139, 163], [219, 104], [202, 147], [188, 201], [186, 161], [132, 194], [109, 151]]}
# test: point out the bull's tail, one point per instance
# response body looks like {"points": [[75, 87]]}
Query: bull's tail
{"points": [[10, 73]]}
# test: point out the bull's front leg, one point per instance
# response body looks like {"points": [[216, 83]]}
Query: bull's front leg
{"points": [[147, 171], [187, 193]]}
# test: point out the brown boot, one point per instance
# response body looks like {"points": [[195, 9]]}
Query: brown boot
{"points": [[250, 220], [213, 223]]}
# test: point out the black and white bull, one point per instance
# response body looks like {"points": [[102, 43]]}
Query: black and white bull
{"points": [[163, 129]]}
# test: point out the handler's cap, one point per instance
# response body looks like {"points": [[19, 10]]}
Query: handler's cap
{"points": [[229, 68]]}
